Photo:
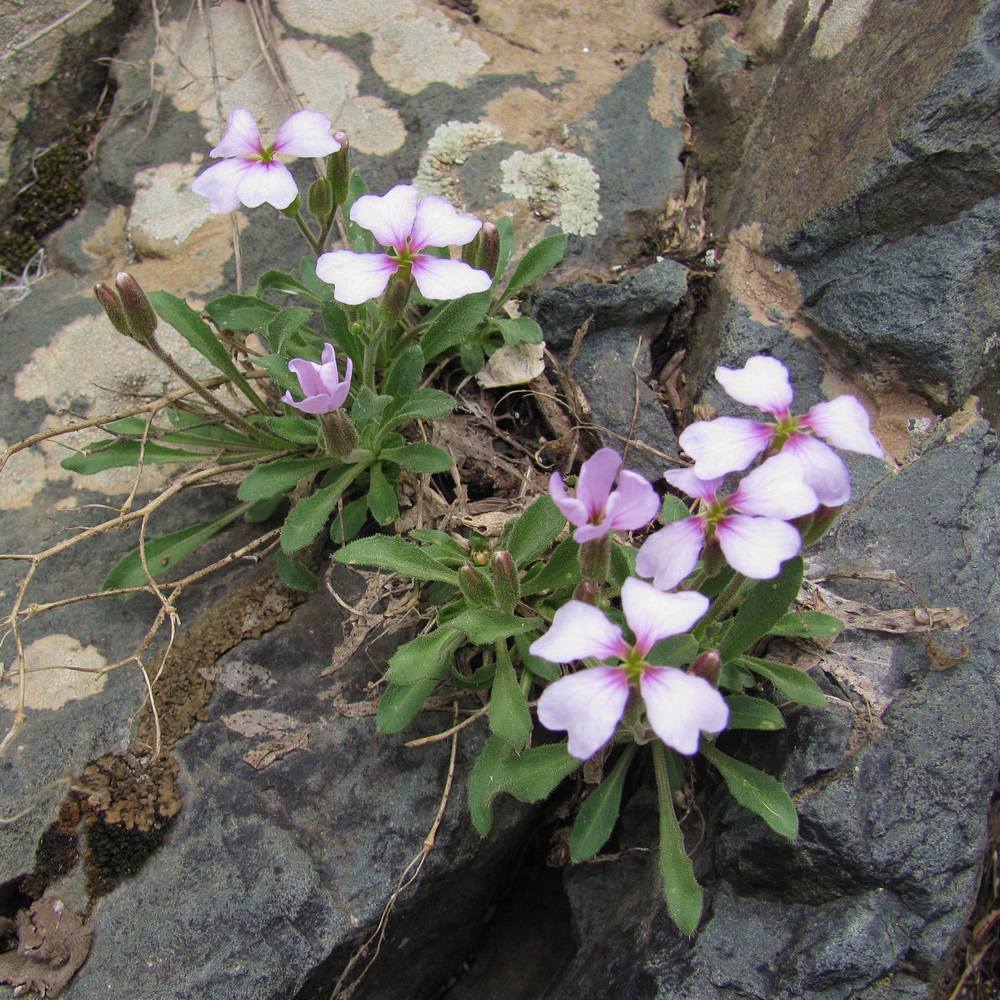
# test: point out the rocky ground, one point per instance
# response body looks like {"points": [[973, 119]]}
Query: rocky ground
{"points": [[818, 182]]}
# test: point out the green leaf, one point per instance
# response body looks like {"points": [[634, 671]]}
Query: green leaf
{"points": [[453, 324], [263, 510], [522, 330], [382, 499], [346, 526], [486, 625], [128, 425], [277, 367], [400, 703], [281, 281], [672, 509], [540, 668], [295, 429], [766, 602], [530, 776], [561, 569], [509, 715], [425, 658], [309, 516], [794, 684], [295, 574], [505, 230], [756, 791], [534, 531], [471, 355], [595, 822], [405, 373], [674, 652], [424, 404], [808, 625], [538, 261], [360, 239], [392, 553], [680, 887], [285, 323], [368, 408], [277, 477], [753, 713], [307, 272], [163, 552], [240, 312], [622, 563], [419, 456], [116, 454]]}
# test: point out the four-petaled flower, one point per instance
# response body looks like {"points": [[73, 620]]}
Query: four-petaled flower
{"points": [[250, 174], [588, 704], [321, 383], [597, 509], [749, 524], [729, 444], [407, 223]]}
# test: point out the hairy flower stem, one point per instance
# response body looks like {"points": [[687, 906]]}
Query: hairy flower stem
{"points": [[315, 244], [723, 602], [595, 559]]}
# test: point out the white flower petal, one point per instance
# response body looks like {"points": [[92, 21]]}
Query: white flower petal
{"points": [[726, 444], [757, 546], [687, 482], [242, 137], [653, 615], [389, 217], [356, 277], [587, 705], [822, 468], [681, 707], [597, 477], [634, 504], [447, 279], [575, 511], [439, 224], [670, 555], [270, 182], [776, 488], [220, 184], [762, 383], [844, 422], [579, 631], [306, 133]]}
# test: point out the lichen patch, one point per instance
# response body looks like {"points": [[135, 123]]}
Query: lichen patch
{"points": [[449, 147], [166, 211], [560, 188], [60, 669]]}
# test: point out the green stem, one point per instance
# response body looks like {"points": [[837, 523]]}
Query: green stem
{"points": [[315, 244], [723, 602]]}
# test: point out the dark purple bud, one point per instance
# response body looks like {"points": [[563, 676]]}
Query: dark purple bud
{"points": [[708, 665], [588, 592], [113, 307]]}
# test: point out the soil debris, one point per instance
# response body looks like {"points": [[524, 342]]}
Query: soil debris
{"points": [[52, 943]]}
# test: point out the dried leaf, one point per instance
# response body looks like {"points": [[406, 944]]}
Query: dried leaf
{"points": [[267, 753], [260, 722], [512, 364], [897, 621], [52, 943]]}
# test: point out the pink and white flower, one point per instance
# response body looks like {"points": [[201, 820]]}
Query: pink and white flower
{"points": [[589, 704], [597, 508], [406, 222], [321, 383], [730, 444], [249, 174], [750, 525]]}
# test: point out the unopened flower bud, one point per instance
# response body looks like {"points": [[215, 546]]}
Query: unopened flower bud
{"points": [[475, 587], [489, 249], [138, 312], [338, 169], [113, 307], [707, 665], [505, 581], [813, 526], [588, 592], [294, 209], [320, 198], [397, 294]]}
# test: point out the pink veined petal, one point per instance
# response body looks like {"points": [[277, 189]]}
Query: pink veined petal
{"points": [[271, 182], [312, 404], [447, 279], [726, 444], [575, 511], [306, 133], [670, 555], [388, 217], [579, 631], [339, 395], [596, 479], [633, 505], [308, 374], [242, 137], [776, 488], [681, 707], [653, 615], [588, 705], [844, 422], [356, 277], [219, 184], [438, 223], [686, 481], [757, 546], [762, 383], [822, 468]]}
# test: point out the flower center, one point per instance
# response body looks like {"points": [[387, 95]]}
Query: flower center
{"points": [[783, 430], [633, 664]]}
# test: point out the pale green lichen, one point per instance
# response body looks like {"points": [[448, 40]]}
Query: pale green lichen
{"points": [[561, 188], [449, 147]]}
